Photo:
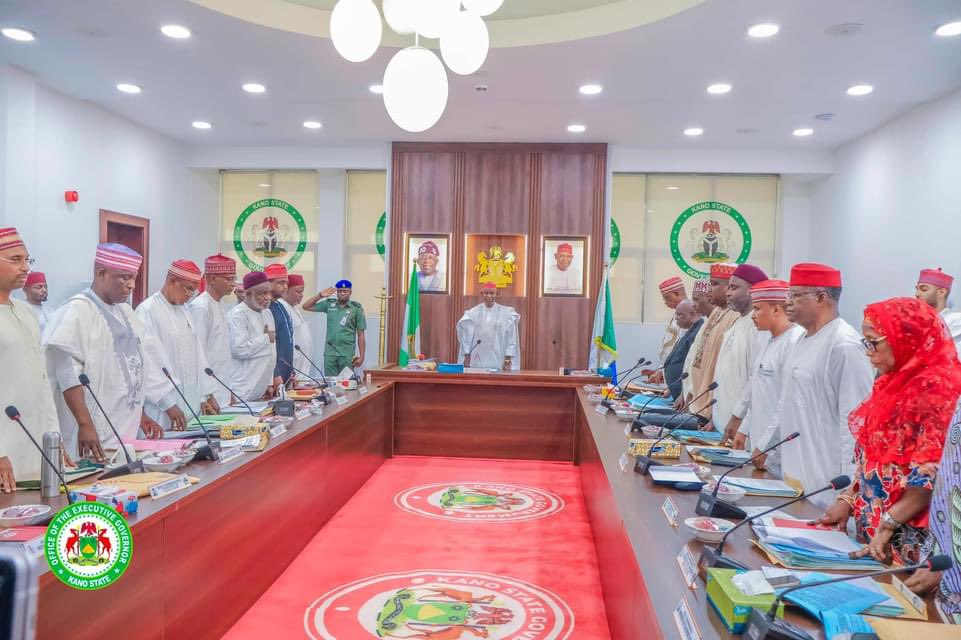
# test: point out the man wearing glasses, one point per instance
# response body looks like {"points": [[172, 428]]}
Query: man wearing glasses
{"points": [[173, 343], [826, 377]]}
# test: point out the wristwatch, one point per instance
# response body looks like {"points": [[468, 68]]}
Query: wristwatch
{"points": [[888, 522]]}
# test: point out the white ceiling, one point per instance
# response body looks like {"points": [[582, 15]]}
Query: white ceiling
{"points": [[654, 76]]}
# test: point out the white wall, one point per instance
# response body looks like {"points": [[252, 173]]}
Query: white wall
{"points": [[893, 206]]}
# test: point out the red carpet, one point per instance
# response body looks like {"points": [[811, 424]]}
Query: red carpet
{"points": [[445, 549]]}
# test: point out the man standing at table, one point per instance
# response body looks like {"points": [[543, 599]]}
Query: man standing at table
{"points": [[487, 334], [346, 325], [934, 287], [720, 320], [173, 344], [277, 275], [25, 381], [701, 298], [689, 320], [97, 333], [672, 292], [209, 313], [252, 342], [827, 376], [35, 290], [302, 338]]}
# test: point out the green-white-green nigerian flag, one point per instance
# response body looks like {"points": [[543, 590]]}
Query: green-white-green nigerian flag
{"points": [[410, 341], [603, 354]]}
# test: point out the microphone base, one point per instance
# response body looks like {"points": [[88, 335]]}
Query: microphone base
{"points": [[131, 467], [711, 558], [205, 452], [761, 627], [709, 504], [643, 464]]}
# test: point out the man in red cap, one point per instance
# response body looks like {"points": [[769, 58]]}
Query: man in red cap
{"points": [[209, 313], [253, 341], [934, 287], [562, 276], [829, 377], [720, 320], [25, 383], [35, 290], [487, 334], [174, 344], [277, 275], [292, 300]]}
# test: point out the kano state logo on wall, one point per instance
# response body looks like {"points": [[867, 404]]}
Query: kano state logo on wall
{"points": [[479, 502], [442, 605], [88, 545], [270, 230], [706, 233]]}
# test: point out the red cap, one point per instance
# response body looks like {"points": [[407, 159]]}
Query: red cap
{"points": [[295, 280], [935, 277], [35, 277], [276, 271], [185, 270], [811, 274], [565, 247], [488, 285], [722, 270], [769, 291], [671, 284]]}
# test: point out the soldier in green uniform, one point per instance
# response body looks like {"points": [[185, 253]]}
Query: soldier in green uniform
{"points": [[345, 327]]}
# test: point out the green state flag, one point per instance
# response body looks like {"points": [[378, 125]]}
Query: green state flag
{"points": [[410, 340]]}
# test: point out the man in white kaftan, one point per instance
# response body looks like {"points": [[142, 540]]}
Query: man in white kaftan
{"points": [[934, 287], [487, 334], [209, 312], [253, 341]]}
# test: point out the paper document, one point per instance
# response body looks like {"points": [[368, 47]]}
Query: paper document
{"points": [[673, 474]]}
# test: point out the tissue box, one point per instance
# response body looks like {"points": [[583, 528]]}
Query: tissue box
{"points": [[732, 606], [123, 500], [665, 449], [234, 431]]}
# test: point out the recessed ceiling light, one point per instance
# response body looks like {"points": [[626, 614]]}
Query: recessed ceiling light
{"points": [[376, 88], [312, 124], [254, 87], [576, 128], [264, 185], [803, 132], [590, 89], [20, 35], [126, 87], [719, 88], [945, 30], [860, 90], [201, 124], [672, 188], [693, 131], [763, 30], [175, 31]]}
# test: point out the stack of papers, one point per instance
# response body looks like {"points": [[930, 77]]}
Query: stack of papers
{"points": [[761, 487], [670, 475], [798, 545], [650, 402], [722, 456], [844, 597], [689, 436], [256, 407]]}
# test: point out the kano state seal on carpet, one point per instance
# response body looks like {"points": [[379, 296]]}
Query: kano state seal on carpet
{"points": [[441, 605], [479, 501]]}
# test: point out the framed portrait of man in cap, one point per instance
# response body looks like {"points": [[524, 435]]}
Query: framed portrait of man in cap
{"points": [[429, 251], [563, 263]]}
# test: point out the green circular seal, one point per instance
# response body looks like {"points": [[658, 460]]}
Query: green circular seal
{"points": [[88, 545], [379, 235], [615, 242], [707, 233], [268, 229]]}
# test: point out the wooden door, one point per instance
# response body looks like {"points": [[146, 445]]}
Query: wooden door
{"points": [[132, 232]]}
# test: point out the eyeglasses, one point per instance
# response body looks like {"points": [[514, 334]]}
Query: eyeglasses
{"points": [[19, 262], [794, 295], [872, 345]]}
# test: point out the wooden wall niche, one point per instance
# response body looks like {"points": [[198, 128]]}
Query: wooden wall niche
{"points": [[491, 188]]}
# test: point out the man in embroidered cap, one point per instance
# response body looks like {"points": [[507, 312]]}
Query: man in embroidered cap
{"points": [[173, 343], [209, 313], [701, 298], [672, 291], [487, 335], [35, 290], [346, 324], [277, 275], [97, 333], [292, 300], [705, 359], [741, 343], [429, 276], [253, 341], [25, 383], [753, 425], [934, 287], [562, 276], [826, 377]]}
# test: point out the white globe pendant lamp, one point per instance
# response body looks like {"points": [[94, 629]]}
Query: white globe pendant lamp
{"points": [[465, 43], [355, 29], [433, 16], [401, 15], [483, 7], [415, 89]]}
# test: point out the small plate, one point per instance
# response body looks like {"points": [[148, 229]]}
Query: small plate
{"points": [[23, 515], [652, 431], [709, 530], [728, 493]]}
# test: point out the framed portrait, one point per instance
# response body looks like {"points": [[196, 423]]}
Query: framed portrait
{"points": [[564, 271], [431, 253]]}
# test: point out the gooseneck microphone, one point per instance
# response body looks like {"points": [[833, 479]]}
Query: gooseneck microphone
{"points": [[640, 363], [14, 415], [205, 452], [324, 397], [210, 372], [639, 422], [132, 466], [708, 504], [714, 557], [643, 463], [762, 625], [319, 370]]}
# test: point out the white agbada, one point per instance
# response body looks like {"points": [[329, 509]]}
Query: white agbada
{"points": [[210, 325], [952, 319], [758, 407], [302, 336], [42, 315], [741, 344], [826, 377], [496, 328], [567, 281], [253, 354], [173, 343], [26, 386], [105, 341], [672, 333]]}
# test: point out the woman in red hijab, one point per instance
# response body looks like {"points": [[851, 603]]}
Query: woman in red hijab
{"points": [[899, 430]]}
